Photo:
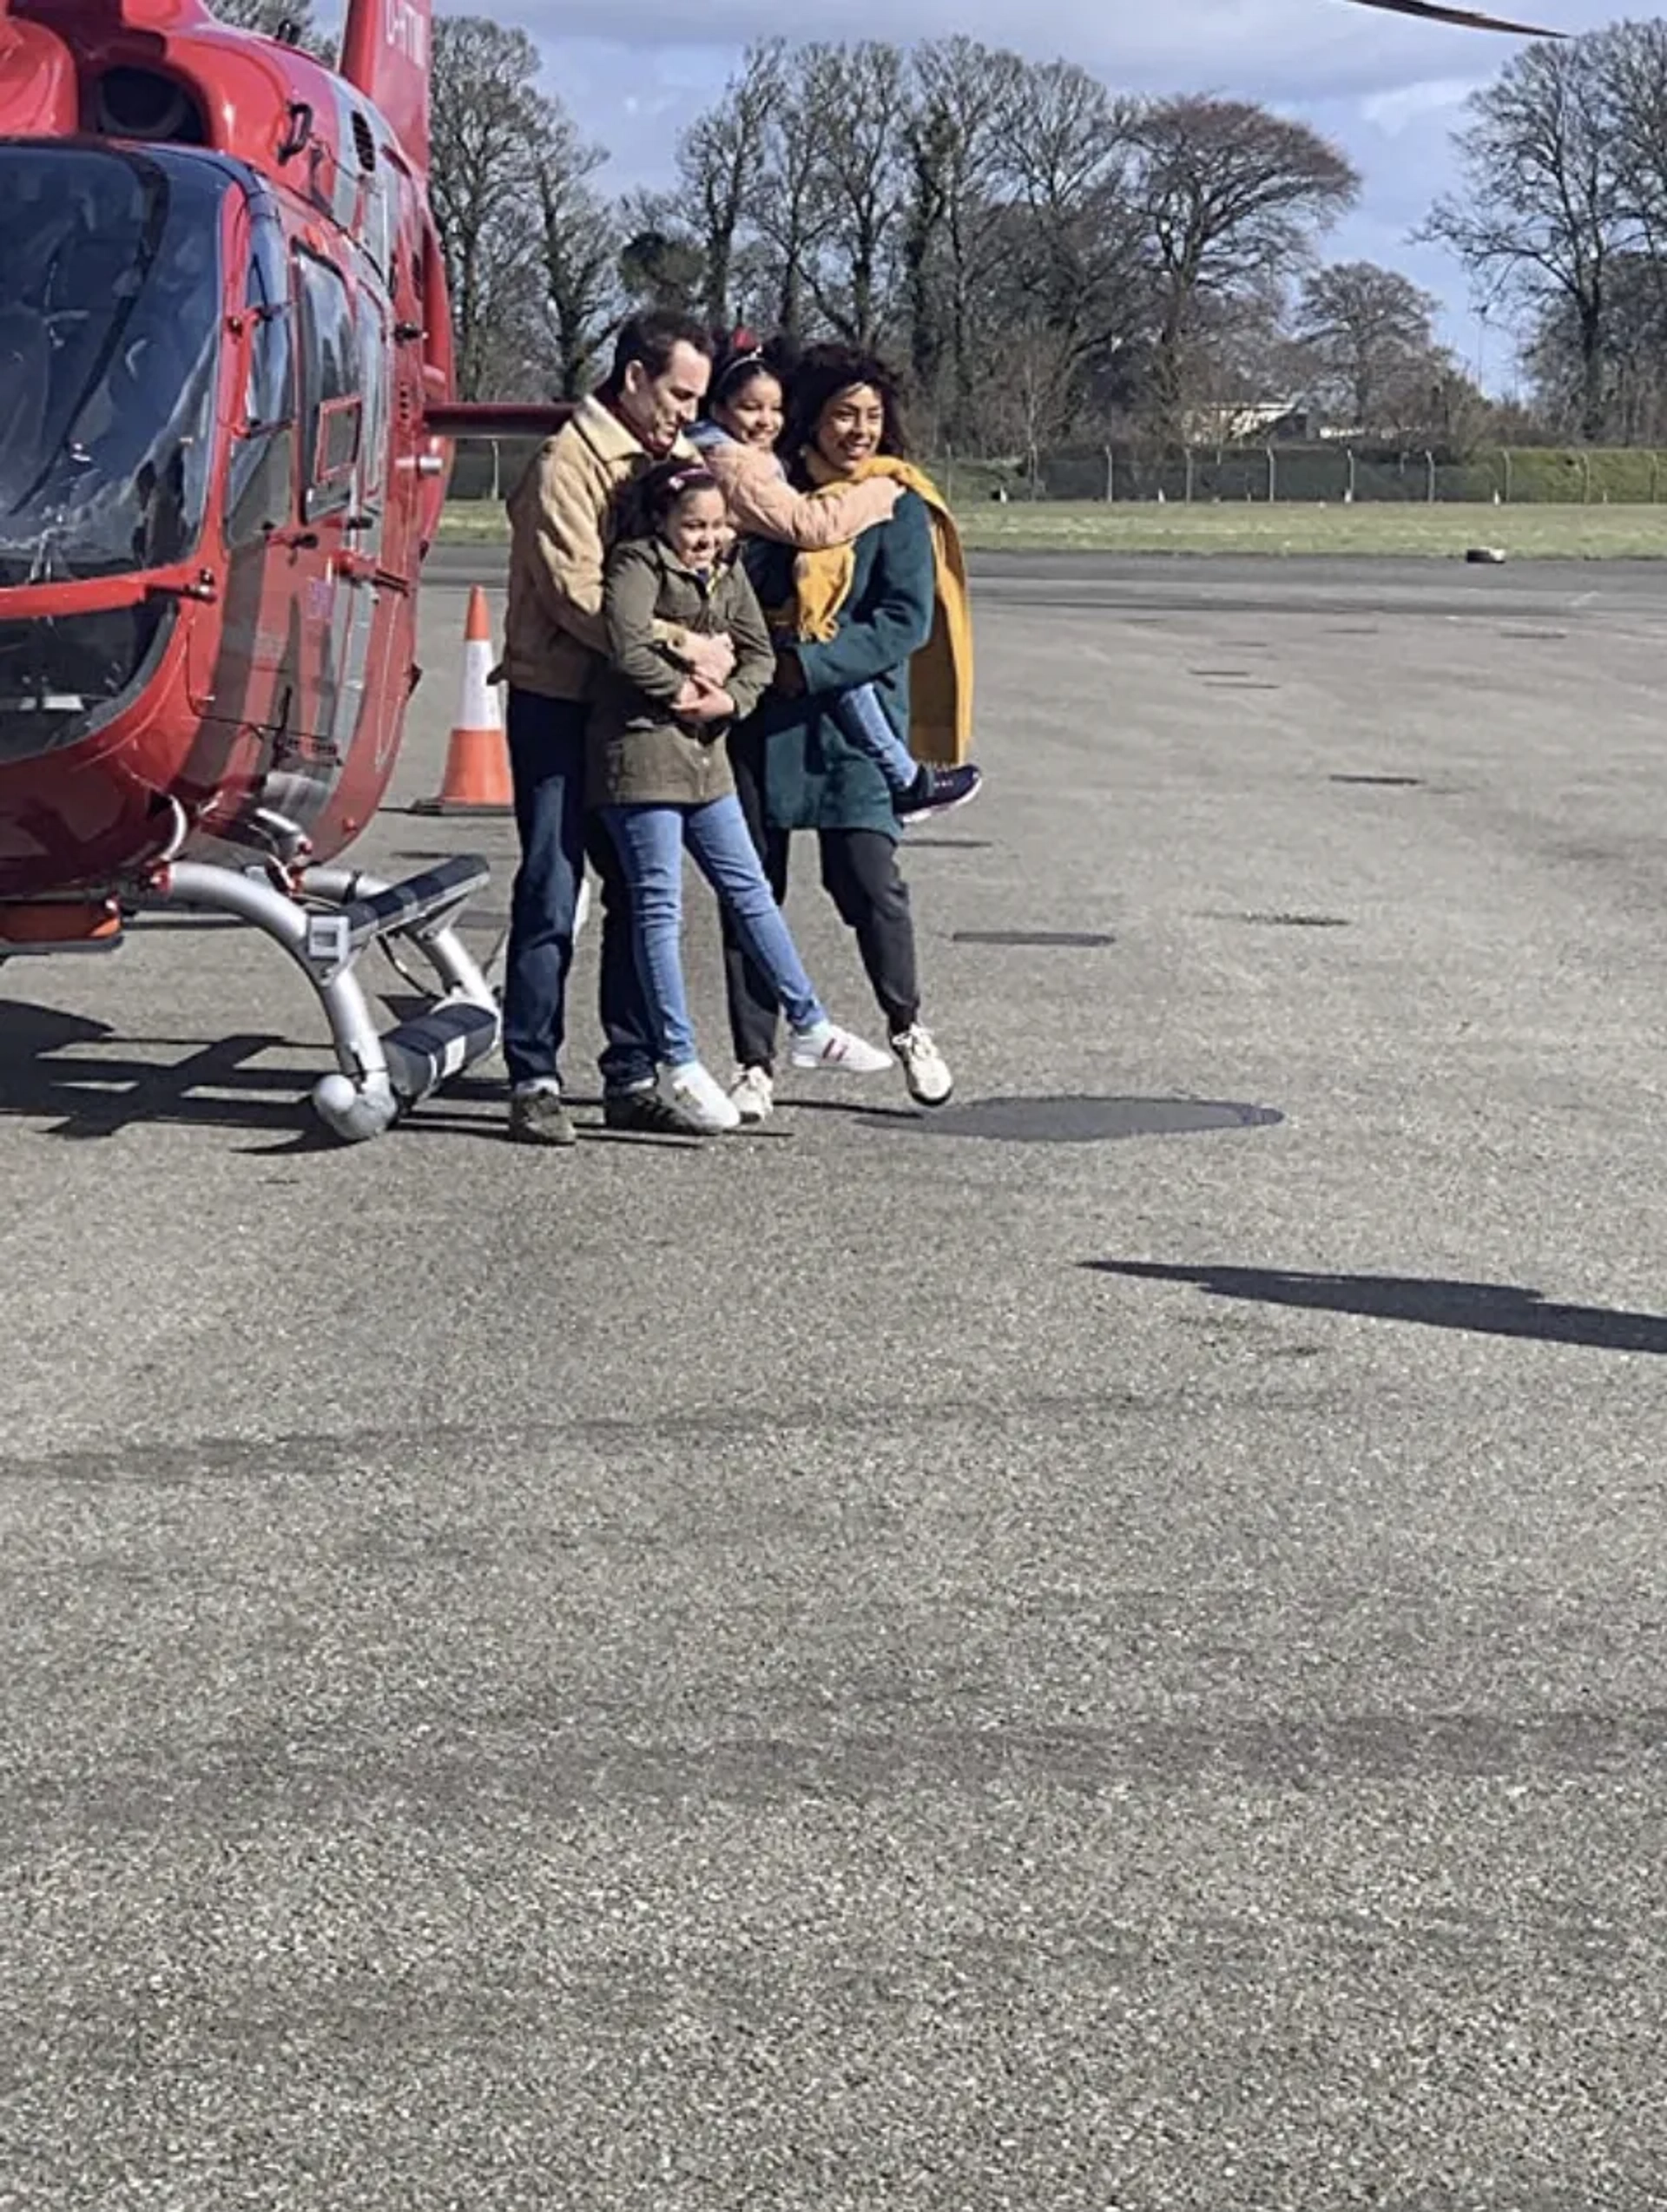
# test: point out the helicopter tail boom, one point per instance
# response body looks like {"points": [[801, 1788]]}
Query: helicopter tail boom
{"points": [[385, 52]]}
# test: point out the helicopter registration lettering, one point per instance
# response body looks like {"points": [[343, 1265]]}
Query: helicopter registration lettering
{"points": [[406, 28]]}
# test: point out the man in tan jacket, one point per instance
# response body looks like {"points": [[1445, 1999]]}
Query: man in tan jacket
{"points": [[560, 525]]}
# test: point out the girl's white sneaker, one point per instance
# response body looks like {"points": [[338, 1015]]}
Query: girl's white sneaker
{"points": [[753, 1094], [702, 1097], [924, 1068], [833, 1052]]}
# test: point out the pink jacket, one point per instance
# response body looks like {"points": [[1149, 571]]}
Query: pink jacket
{"points": [[762, 503]]}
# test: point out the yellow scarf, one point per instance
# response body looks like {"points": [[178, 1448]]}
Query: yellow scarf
{"points": [[941, 674]]}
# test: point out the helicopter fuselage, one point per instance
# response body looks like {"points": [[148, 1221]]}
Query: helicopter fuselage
{"points": [[223, 317]]}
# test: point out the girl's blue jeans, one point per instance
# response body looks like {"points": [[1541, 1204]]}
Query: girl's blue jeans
{"points": [[651, 842], [862, 719]]}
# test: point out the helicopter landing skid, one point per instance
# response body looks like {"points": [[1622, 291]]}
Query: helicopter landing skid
{"points": [[325, 918]]}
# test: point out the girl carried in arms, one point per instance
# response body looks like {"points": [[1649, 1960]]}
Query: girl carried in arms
{"points": [[737, 438]]}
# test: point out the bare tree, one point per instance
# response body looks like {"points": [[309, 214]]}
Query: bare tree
{"points": [[1629, 64], [861, 95], [1366, 330], [1064, 150], [932, 150], [1541, 213], [719, 160], [581, 249], [1068, 230], [787, 208], [961, 92], [1030, 397], [489, 123], [1232, 193], [1633, 366]]}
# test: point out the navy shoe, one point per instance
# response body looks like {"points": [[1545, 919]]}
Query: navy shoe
{"points": [[936, 791], [645, 1113]]}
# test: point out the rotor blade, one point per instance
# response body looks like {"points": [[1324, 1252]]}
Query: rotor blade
{"points": [[1464, 17]]}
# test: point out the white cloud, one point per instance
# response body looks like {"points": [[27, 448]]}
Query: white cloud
{"points": [[1394, 112]]}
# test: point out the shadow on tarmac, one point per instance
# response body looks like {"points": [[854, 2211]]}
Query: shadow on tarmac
{"points": [[1482, 1308], [46, 1074]]}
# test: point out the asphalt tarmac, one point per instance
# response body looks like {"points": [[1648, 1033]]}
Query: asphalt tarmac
{"points": [[1100, 1649]]}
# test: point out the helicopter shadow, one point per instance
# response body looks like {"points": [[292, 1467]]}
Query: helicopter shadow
{"points": [[48, 1073]]}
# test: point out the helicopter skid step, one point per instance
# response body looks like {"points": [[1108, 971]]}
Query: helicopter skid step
{"points": [[324, 926], [44, 926]]}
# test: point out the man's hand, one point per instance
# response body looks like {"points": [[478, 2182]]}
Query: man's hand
{"points": [[711, 659], [709, 706]]}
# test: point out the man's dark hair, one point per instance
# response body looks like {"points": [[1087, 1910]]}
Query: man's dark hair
{"points": [[652, 336], [824, 371]]}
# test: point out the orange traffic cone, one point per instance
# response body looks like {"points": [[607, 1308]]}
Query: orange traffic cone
{"points": [[477, 779]]}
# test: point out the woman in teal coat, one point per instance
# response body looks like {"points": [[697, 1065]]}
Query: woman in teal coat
{"points": [[793, 768]]}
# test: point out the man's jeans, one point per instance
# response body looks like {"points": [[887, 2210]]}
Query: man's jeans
{"points": [[546, 738], [651, 843]]}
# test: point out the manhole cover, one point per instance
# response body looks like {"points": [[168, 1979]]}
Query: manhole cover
{"points": [[1399, 783], [1295, 921], [1082, 1121], [1031, 936]]}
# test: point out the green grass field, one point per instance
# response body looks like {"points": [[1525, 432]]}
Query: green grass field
{"points": [[1414, 530]]}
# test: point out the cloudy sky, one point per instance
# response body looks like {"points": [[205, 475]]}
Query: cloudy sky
{"points": [[1389, 90]]}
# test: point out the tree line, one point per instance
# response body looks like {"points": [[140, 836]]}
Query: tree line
{"points": [[1053, 260], [1048, 257]]}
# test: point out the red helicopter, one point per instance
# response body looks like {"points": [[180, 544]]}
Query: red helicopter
{"points": [[226, 432]]}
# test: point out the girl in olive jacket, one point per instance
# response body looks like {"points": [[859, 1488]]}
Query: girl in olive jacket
{"points": [[660, 773]]}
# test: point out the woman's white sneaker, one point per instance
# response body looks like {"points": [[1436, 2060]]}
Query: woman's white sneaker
{"points": [[924, 1068], [701, 1098], [753, 1094], [833, 1052]]}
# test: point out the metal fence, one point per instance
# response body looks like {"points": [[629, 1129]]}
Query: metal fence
{"points": [[1326, 473], [1335, 473]]}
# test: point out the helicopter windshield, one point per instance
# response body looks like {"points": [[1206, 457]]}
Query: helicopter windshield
{"points": [[110, 309]]}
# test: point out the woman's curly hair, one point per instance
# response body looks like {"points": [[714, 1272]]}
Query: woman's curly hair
{"points": [[823, 372]]}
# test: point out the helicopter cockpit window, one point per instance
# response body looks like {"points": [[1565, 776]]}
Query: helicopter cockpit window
{"points": [[261, 491], [331, 386], [110, 333]]}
